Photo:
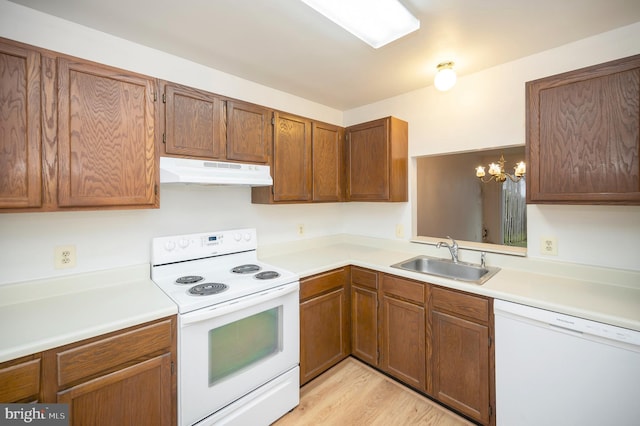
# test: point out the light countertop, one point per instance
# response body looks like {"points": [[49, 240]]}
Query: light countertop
{"points": [[600, 294], [44, 314]]}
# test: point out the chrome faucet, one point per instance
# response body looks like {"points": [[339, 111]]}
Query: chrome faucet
{"points": [[453, 248]]}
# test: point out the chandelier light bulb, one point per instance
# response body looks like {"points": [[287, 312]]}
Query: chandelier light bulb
{"points": [[445, 77]]}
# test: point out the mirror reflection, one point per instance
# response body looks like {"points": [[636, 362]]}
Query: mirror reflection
{"points": [[453, 201]]}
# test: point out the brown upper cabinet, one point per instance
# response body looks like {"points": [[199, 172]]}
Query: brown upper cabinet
{"points": [[583, 135], [377, 160], [249, 132], [328, 170], [74, 134], [291, 162], [106, 136], [194, 123], [20, 135]]}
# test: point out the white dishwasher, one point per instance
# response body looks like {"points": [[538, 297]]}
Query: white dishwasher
{"points": [[555, 369]]}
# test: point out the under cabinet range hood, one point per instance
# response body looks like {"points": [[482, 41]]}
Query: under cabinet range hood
{"points": [[204, 172]]}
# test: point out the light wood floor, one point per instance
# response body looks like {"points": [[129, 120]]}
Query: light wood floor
{"points": [[352, 393]]}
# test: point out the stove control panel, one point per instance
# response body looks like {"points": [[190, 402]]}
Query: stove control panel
{"points": [[178, 248]]}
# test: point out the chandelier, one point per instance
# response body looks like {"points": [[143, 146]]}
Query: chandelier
{"points": [[496, 171]]}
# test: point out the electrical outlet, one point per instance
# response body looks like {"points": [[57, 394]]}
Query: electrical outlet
{"points": [[64, 257], [399, 231], [300, 229], [549, 246]]}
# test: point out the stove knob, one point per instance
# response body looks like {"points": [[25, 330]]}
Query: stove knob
{"points": [[169, 245], [247, 236], [183, 243], [237, 236]]}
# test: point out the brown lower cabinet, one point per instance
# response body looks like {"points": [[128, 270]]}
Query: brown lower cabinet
{"points": [[436, 340], [402, 329], [324, 322], [462, 353], [122, 378]]}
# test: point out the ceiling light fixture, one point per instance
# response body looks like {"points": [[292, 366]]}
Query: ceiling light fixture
{"points": [[445, 76], [497, 172], [376, 22]]}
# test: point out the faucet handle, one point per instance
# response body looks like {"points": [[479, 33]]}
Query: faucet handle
{"points": [[483, 259]]}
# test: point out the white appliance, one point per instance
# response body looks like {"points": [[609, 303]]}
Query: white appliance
{"points": [[555, 369], [238, 328], [204, 172]]}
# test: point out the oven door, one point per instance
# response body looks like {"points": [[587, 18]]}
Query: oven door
{"points": [[228, 350]]}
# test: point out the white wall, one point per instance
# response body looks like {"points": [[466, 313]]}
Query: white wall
{"points": [[107, 239], [486, 110]]}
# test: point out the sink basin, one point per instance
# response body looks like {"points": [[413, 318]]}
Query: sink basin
{"points": [[446, 268]]}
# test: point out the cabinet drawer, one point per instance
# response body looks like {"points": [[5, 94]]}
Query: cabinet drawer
{"points": [[409, 290], [20, 382], [364, 277], [322, 283], [469, 306], [109, 353]]}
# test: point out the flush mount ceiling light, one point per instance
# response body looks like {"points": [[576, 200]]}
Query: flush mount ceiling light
{"points": [[376, 22], [445, 77]]}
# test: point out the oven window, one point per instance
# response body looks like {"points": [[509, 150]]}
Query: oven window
{"points": [[237, 345]]}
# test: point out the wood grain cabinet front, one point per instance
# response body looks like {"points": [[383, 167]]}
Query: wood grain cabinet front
{"points": [[20, 127], [377, 161], [403, 325], [249, 132], [583, 135], [20, 380], [364, 315], [324, 322], [194, 123], [124, 378], [462, 352], [106, 136], [328, 164]]}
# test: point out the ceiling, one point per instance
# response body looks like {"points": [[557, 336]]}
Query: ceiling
{"points": [[286, 45]]}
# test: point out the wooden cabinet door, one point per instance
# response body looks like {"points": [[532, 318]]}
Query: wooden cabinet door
{"points": [[461, 362], [364, 324], [20, 136], [193, 123], [249, 132], [136, 395], [324, 333], [327, 162], [291, 158], [403, 329], [368, 161], [461, 365], [403, 341], [106, 136], [583, 135], [377, 161], [20, 380]]}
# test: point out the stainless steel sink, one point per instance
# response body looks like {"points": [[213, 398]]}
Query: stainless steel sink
{"points": [[446, 268]]}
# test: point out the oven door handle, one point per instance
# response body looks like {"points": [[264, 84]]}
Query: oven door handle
{"points": [[237, 304]]}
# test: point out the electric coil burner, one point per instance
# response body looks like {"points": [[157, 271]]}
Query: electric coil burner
{"points": [[246, 269], [267, 275], [189, 279], [207, 289]]}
